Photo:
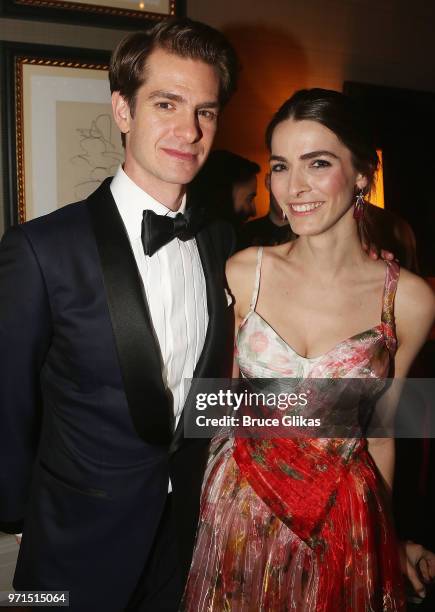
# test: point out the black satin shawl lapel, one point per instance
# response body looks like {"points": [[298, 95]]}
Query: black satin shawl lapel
{"points": [[138, 352], [216, 304]]}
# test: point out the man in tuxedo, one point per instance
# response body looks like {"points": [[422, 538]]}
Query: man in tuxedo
{"points": [[107, 308]]}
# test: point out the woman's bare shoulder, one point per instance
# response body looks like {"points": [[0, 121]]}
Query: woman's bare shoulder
{"points": [[414, 293], [415, 303], [241, 263], [240, 273]]}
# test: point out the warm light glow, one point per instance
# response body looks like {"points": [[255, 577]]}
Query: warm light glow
{"points": [[376, 196], [141, 5]]}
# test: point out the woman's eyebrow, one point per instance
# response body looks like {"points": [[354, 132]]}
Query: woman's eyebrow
{"points": [[310, 155], [318, 154]]}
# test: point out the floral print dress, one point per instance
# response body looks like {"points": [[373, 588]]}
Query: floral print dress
{"points": [[298, 524]]}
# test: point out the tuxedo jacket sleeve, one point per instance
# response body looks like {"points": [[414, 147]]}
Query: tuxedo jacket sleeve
{"points": [[25, 331]]}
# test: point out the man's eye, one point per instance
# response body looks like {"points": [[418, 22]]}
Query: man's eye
{"points": [[277, 167], [164, 105], [320, 163], [207, 114]]}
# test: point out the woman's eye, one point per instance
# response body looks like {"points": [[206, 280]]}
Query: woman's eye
{"points": [[320, 163], [277, 167]]}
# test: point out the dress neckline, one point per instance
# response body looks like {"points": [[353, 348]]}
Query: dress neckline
{"points": [[387, 318], [375, 328]]}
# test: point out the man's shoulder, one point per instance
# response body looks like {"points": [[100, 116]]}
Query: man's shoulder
{"points": [[67, 218], [49, 236]]}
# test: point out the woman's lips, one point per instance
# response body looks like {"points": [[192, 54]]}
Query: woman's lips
{"points": [[180, 154], [303, 209]]}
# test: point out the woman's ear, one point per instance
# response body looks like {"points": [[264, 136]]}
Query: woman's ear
{"points": [[361, 182]]}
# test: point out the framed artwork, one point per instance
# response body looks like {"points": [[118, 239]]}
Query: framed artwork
{"points": [[112, 13], [61, 140]]}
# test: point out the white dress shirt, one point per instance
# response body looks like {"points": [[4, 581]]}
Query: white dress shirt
{"points": [[174, 285]]}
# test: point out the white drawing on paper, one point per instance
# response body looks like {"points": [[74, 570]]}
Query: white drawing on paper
{"points": [[98, 158]]}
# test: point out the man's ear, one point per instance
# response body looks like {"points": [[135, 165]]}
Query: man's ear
{"points": [[121, 112]]}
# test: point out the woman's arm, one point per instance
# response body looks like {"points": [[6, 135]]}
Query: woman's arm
{"points": [[415, 311], [414, 314], [383, 452]]}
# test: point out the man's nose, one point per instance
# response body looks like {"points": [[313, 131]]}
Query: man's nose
{"points": [[188, 128]]}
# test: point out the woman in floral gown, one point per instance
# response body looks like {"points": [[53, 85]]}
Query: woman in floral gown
{"points": [[303, 524]]}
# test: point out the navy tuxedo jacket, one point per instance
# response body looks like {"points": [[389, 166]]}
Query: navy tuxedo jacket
{"points": [[87, 440]]}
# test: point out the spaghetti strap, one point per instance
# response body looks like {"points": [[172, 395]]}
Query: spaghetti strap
{"points": [[257, 280], [256, 286], [387, 318]]}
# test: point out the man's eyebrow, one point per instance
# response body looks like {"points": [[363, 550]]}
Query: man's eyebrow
{"points": [[211, 104], [160, 93]]}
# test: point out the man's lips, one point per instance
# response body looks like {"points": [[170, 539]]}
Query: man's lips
{"points": [[182, 155]]}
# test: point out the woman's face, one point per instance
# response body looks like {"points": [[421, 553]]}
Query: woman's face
{"points": [[312, 176]]}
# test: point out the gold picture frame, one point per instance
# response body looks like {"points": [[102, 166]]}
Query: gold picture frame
{"points": [[112, 13], [62, 140]]}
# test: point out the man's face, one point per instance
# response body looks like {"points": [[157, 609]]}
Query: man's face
{"points": [[173, 125], [244, 198]]}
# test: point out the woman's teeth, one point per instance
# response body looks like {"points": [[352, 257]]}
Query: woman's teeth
{"points": [[305, 207]]}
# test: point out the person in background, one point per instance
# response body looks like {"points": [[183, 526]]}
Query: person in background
{"points": [[228, 184], [269, 230]]}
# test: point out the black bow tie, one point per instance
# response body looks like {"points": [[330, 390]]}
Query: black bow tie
{"points": [[158, 230]]}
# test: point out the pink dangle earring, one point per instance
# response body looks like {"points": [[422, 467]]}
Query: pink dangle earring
{"points": [[284, 216], [359, 206]]}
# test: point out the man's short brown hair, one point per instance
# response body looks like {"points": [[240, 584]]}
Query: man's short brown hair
{"points": [[181, 36]]}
